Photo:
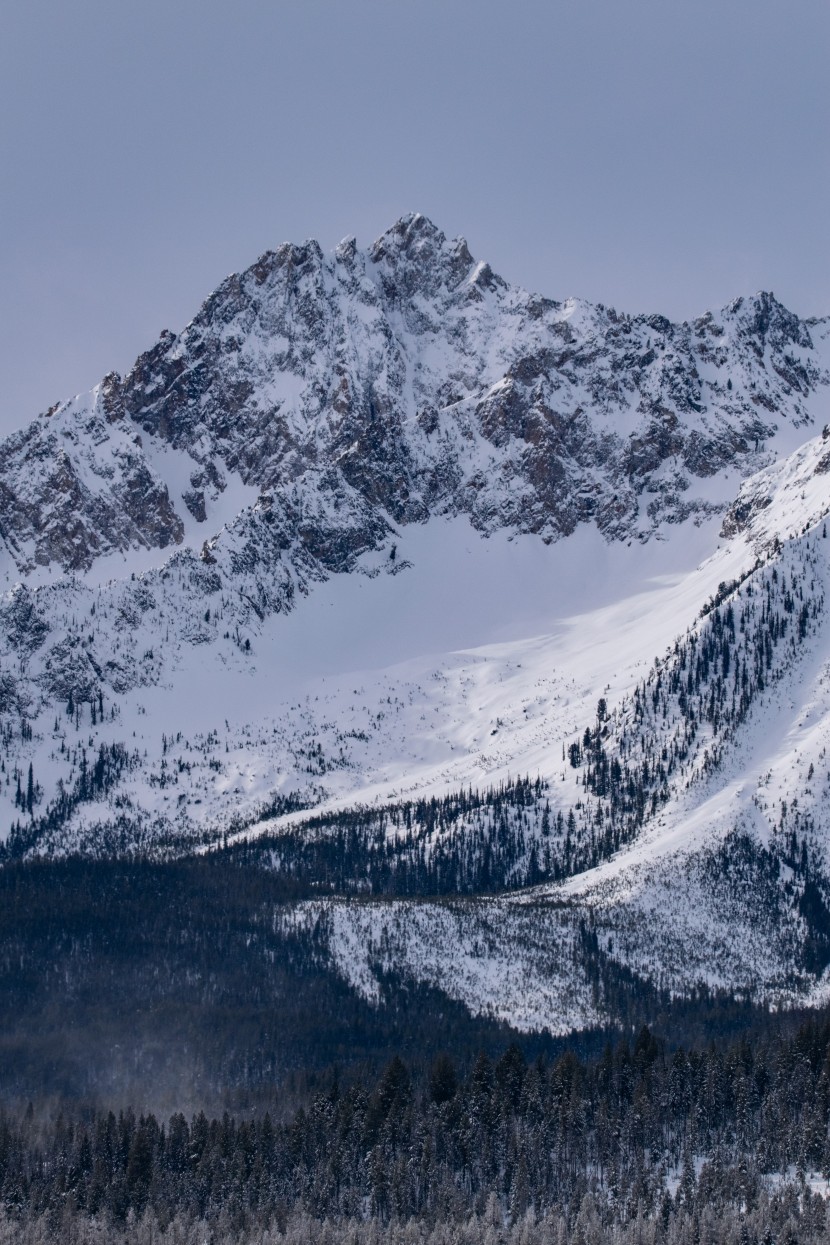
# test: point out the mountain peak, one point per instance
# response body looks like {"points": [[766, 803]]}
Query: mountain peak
{"points": [[329, 375], [416, 246], [766, 319], [408, 231]]}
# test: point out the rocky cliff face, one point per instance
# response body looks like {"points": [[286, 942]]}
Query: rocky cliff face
{"points": [[75, 485], [363, 389]]}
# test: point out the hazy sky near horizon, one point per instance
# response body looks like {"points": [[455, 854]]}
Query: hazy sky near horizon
{"points": [[654, 155]]}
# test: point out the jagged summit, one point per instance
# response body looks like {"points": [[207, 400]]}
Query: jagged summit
{"points": [[416, 256], [404, 381]]}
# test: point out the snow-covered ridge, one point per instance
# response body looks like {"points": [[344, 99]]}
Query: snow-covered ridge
{"points": [[360, 388]]}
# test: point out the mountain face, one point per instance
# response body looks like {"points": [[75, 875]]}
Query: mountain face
{"points": [[398, 579], [396, 384]]}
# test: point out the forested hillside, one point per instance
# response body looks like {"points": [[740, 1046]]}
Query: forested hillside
{"points": [[645, 1143]]}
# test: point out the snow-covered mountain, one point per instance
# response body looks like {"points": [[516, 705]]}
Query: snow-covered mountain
{"points": [[393, 574], [355, 392]]}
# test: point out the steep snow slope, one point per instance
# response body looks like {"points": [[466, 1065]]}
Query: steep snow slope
{"points": [[364, 691], [316, 711], [725, 883]]}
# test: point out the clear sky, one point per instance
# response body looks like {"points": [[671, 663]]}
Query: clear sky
{"points": [[656, 155]]}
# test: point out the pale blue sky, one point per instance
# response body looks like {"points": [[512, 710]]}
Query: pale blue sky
{"points": [[650, 154]]}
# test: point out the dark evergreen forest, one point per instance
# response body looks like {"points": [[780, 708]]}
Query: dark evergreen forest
{"points": [[173, 985], [197, 1073], [180, 986], [643, 1143]]}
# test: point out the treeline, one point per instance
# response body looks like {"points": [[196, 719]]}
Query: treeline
{"points": [[670, 733], [470, 842], [670, 1142], [95, 779], [674, 730], [178, 983], [791, 1216]]}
